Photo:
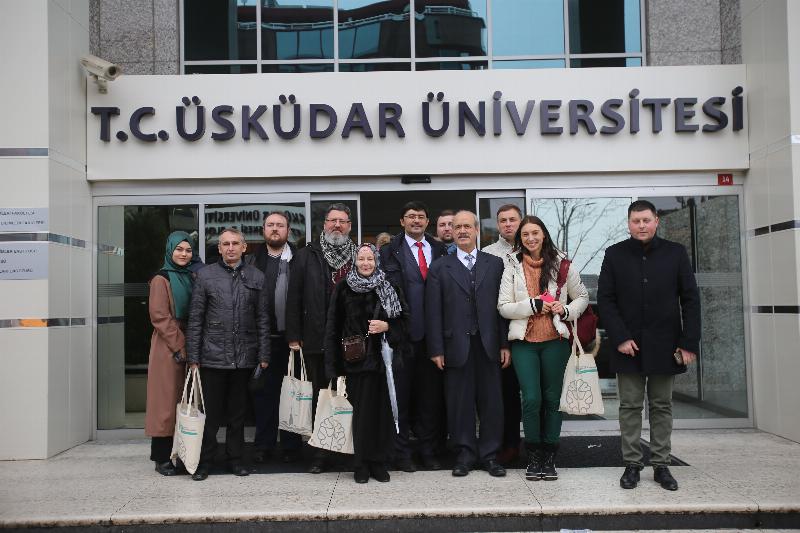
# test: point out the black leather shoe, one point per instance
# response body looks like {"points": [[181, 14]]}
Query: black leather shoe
{"points": [[261, 456], [429, 462], [460, 470], [663, 476], [630, 478], [317, 466], [494, 468], [361, 474], [166, 469], [406, 465], [200, 474], [238, 469], [379, 473]]}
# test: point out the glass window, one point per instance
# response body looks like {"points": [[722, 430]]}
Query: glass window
{"points": [[372, 67], [529, 63], [450, 31], [452, 65], [594, 62], [299, 30], [249, 218], [130, 251], [219, 30], [295, 68], [607, 27], [529, 27], [221, 69], [370, 29]]}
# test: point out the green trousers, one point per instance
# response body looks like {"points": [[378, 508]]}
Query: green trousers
{"points": [[631, 388], [540, 371]]}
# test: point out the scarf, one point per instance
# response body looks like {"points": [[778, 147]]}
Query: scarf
{"points": [[337, 256], [377, 282], [282, 287], [180, 278]]}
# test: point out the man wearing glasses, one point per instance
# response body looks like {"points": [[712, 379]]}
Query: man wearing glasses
{"points": [[316, 269], [406, 260]]}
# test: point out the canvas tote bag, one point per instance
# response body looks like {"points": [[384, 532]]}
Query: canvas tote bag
{"points": [[333, 423], [294, 412], [189, 423], [580, 393]]}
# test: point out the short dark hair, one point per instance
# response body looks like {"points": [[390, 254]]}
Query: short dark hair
{"points": [[509, 207], [338, 206], [641, 205], [445, 213], [414, 205], [281, 213]]}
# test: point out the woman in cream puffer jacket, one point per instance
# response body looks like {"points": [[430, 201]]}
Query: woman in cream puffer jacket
{"points": [[539, 346]]}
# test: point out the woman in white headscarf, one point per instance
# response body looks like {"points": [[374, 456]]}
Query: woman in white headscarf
{"points": [[366, 305]]}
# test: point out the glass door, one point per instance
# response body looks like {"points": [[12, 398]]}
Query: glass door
{"points": [[708, 222], [488, 203]]}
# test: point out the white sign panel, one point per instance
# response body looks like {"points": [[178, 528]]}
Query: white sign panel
{"points": [[23, 260], [412, 123], [24, 219]]}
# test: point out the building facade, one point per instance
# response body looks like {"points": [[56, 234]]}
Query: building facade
{"points": [[226, 110]]}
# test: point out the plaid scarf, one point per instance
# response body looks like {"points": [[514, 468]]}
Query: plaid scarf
{"points": [[337, 256]]}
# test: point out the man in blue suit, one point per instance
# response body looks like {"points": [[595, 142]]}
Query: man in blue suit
{"points": [[468, 339], [406, 261]]}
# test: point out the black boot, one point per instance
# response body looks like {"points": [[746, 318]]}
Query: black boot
{"points": [[535, 459], [630, 478], [549, 472]]}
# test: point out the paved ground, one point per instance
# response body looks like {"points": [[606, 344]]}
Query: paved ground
{"points": [[737, 479]]}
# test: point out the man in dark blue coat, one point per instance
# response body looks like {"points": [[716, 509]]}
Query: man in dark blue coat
{"points": [[468, 339], [406, 260], [650, 308]]}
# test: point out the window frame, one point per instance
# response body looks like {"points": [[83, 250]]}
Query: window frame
{"points": [[489, 58]]}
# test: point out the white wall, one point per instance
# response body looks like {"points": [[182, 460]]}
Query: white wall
{"points": [[46, 387], [771, 50]]}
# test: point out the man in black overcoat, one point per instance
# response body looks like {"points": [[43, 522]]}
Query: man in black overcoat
{"points": [[406, 260], [650, 308], [468, 339]]}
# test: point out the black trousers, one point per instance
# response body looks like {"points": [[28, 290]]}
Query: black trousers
{"points": [[266, 402], [420, 397], [373, 425], [225, 395], [512, 408], [475, 384], [160, 449]]}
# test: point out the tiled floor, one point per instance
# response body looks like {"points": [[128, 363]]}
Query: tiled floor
{"points": [[113, 483]]}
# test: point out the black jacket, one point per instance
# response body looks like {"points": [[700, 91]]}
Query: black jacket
{"points": [[649, 294], [348, 315], [258, 258], [448, 301], [228, 325], [402, 270], [309, 293]]}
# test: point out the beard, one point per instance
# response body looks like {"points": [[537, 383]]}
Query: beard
{"points": [[447, 240], [336, 239]]}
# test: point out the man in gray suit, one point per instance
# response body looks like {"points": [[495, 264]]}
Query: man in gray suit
{"points": [[468, 339]]}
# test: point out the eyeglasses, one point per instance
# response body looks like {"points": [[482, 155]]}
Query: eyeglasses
{"points": [[340, 221], [415, 217]]}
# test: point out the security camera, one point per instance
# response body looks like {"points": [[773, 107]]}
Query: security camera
{"points": [[101, 71]]}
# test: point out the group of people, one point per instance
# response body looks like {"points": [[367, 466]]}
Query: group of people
{"points": [[472, 332]]}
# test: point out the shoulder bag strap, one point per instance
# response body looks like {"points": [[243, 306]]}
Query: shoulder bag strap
{"points": [[563, 270]]}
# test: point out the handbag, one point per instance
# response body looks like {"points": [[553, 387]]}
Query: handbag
{"points": [[333, 422], [580, 392], [294, 409], [354, 348], [586, 324], [189, 423]]}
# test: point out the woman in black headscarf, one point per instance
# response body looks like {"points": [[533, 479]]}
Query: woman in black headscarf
{"points": [[170, 292], [367, 305]]}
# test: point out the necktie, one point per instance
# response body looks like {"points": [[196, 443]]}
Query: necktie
{"points": [[423, 264], [470, 261]]}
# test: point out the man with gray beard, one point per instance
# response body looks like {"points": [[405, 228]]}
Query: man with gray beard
{"points": [[316, 269]]}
